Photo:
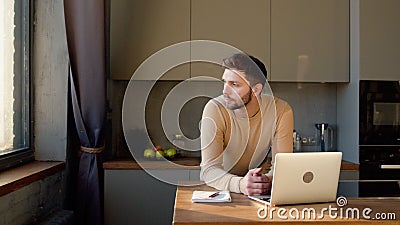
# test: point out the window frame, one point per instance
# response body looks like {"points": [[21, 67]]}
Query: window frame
{"points": [[23, 155]]}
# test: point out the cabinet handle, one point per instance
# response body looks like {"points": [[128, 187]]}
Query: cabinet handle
{"points": [[390, 166]]}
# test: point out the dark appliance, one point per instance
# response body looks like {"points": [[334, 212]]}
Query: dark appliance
{"points": [[379, 112], [362, 188], [380, 163], [379, 131]]}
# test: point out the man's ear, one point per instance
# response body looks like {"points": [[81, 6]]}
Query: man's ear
{"points": [[257, 88]]}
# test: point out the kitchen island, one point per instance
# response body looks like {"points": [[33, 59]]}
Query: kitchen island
{"points": [[133, 193], [242, 210]]}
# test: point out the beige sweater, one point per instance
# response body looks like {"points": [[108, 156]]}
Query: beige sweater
{"points": [[231, 145]]}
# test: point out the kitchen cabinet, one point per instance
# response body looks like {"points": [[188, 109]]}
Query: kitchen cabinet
{"points": [[379, 39], [241, 24], [298, 40], [310, 40], [349, 175], [194, 175], [140, 28], [132, 196]]}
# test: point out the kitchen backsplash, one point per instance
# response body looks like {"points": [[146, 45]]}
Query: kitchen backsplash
{"points": [[311, 102]]}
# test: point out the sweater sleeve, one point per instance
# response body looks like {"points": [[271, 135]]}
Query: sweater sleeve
{"points": [[283, 137], [213, 127]]}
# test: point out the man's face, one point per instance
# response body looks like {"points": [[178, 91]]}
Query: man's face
{"points": [[237, 91]]}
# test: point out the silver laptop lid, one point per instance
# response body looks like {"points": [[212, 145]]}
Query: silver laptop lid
{"points": [[306, 177]]}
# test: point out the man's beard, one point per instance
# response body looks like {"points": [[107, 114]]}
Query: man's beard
{"points": [[239, 104]]}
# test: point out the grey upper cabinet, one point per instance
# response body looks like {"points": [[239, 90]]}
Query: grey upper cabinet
{"points": [[244, 25], [310, 40], [298, 40], [140, 28], [379, 39]]}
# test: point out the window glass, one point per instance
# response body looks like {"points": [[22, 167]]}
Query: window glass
{"points": [[14, 76]]}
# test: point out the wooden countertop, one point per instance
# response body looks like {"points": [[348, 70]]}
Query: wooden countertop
{"points": [[178, 163], [349, 166], [131, 164], [242, 210]]}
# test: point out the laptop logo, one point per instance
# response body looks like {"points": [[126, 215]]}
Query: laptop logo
{"points": [[308, 177]]}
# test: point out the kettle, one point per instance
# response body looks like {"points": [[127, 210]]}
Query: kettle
{"points": [[324, 136]]}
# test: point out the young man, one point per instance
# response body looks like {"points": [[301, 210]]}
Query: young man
{"points": [[240, 127]]}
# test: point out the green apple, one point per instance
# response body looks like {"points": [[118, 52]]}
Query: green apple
{"points": [[149, 153], [170, 153], [159, 154]]}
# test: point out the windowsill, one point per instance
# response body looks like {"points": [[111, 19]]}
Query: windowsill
{"points": [[18, 177]]}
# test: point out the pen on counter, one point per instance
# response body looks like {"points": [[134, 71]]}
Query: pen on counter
{"points": [[214, 195]]}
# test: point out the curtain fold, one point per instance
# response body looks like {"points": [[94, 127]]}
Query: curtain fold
{"points": [[86, 39]]}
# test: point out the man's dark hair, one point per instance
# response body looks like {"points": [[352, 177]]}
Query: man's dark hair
{"points": [[253, 68]]}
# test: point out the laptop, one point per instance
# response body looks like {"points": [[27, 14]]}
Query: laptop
{"points": [[307, 177]]}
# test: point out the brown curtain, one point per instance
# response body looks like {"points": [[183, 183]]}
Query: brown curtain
{"points": [[86, 37]]}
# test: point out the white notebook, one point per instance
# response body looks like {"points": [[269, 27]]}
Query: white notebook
{"points": [[211, 196]]}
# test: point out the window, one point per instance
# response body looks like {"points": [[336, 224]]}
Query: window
{"points": [[15, 26]]}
